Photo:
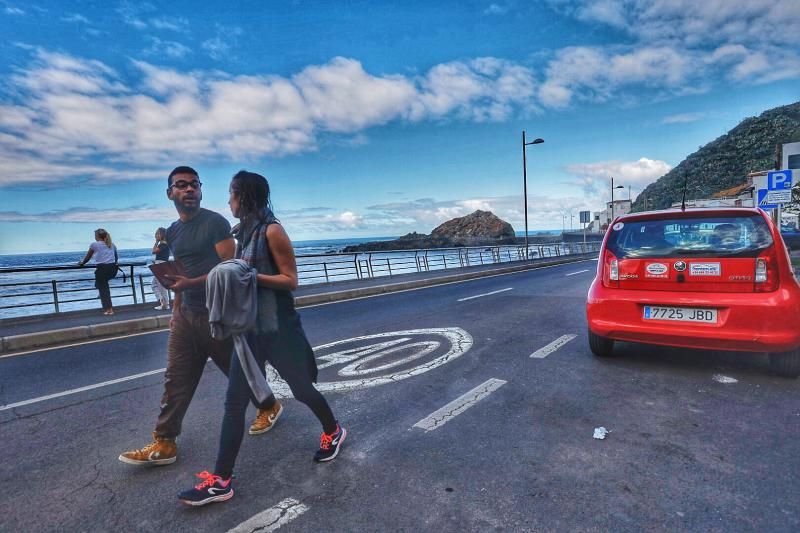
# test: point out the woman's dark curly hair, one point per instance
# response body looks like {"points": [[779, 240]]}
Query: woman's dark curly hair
{"points": [[253, 192]]}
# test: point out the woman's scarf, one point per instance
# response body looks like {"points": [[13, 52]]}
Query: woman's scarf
{"points": [[252, 247]]}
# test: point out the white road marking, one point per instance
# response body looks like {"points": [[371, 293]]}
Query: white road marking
{"points": [[459, 405], [459, 343], [543, 352], [578, 272], [485, 294], [719, 378], [272, 518], [80, 389]]}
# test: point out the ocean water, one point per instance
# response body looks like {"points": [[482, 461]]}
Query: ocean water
{"points": [[30, 292]]}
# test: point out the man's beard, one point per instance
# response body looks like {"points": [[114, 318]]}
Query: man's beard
{"points": [[187, 209]]}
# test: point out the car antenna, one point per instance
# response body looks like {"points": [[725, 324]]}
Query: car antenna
{"points": [[685, 182]]}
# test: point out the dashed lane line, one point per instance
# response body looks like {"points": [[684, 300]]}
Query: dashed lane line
{"points": [[80, 389], [578, 272], [441, 416], [484, 294], [543, 352], [273, 518]]}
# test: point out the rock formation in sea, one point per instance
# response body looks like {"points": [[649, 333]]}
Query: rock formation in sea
{"points": [[481, 228]]}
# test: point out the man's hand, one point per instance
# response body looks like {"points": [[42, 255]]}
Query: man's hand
{"points": [[179, 283]]}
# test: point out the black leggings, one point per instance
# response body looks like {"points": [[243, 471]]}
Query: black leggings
{"points": [[238, 396], [102, 274]]}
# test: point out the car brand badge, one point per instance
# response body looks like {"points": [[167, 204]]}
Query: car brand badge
{"points": [[680, 266]]}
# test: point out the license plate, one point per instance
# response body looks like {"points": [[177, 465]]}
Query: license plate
{"points": [[680, 314]]}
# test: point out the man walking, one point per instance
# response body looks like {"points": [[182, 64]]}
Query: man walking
{"points": [[200, 239]]}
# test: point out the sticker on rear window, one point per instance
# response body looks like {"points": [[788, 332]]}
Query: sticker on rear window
{"points": [[704, 269], [618, 226], [656, 270]]}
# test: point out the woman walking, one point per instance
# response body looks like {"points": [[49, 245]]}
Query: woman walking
{"points": [[278, 337], [105, 257], [161, 251]]}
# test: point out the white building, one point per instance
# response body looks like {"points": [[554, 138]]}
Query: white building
{"points": [[602, 219]]}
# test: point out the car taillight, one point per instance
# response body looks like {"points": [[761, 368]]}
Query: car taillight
{"points": [[766, 275], [610, 270]]}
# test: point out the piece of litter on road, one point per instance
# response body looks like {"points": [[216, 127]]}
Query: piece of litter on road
{"points": [[719, 378], [600, 433]]}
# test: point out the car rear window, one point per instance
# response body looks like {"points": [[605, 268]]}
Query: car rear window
{"points": [[732, 236]]}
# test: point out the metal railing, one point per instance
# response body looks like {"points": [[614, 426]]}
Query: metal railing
{"points": [[64, 292]]}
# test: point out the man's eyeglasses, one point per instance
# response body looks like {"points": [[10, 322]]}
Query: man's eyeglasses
{"points": [[183, 185]]}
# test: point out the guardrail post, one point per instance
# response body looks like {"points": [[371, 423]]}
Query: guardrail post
{"points": [[133, 288], [325, 268], [356, 266], [389, 266], [444, 260], [55, 295], [141, 288]]}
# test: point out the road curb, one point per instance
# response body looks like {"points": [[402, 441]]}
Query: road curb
{"points": [[42, 339]]}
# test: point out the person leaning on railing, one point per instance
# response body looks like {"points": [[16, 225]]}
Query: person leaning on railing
{"points": [[105, 257]]}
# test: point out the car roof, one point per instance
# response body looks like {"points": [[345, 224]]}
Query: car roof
{"points": [[703, 212]]}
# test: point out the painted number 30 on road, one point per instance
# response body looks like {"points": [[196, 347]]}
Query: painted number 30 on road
{"points": [[381, 358]]}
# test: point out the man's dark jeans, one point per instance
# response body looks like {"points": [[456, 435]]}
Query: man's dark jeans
{"points": [[189, 346]]}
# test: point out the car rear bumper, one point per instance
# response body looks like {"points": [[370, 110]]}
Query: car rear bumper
{"points": [[750, 322]]}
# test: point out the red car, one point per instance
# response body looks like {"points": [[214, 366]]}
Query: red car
{"points": [[718, 279]]}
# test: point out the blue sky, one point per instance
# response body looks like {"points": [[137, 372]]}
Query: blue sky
{"points": [[368, 118]]}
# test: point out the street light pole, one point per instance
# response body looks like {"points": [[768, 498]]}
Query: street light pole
{"points": [[525, 184], [612, 200], [612, 197]]}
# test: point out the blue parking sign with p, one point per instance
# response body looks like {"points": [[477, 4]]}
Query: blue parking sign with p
{"points": [[779, 180]]}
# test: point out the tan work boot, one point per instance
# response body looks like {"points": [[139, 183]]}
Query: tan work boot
{"points": [[265, 419], [162, 451]]}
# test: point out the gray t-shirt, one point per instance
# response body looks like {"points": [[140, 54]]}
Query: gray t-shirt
{"points": [[193, 244]]}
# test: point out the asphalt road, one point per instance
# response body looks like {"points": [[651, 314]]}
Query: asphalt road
{"points": [[452, 426]]}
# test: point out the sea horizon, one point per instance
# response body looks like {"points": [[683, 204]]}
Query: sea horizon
{"points": [[301, 247]]}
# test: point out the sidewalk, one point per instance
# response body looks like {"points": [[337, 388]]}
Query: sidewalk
{"points": [[18, 334]]}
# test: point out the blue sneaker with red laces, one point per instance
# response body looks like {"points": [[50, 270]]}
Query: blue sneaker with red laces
{"points": [[329, 444], [212, 489]]}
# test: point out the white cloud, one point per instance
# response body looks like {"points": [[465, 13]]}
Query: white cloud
{"points": [[74, 112], [76, 18], [595, 177], [496, 9], [177, 24], [693, 23], [160, 47], [13, 11], [682, 118], [94, 216], [595, 74], [679, 47], [329, 92], [481, 89], [222, 44]]}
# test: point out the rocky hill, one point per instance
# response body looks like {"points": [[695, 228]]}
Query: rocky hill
{"points": [[725, 162], [477, 229]]}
